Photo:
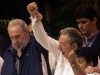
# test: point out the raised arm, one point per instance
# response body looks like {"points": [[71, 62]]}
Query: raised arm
{"points": [[41, 36]]}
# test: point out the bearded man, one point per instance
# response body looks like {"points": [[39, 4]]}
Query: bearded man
{"points": [[25, 56]]}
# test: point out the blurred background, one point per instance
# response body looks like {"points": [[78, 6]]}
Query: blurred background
{"points": [[57, 14]]}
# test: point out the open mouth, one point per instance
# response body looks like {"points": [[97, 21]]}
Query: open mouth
{"points": [[63, 52]]}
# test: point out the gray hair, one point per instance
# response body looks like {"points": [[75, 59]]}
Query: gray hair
{"points": [[74, 35], [18, 22]]}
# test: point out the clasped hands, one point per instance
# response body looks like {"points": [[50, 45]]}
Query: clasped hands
{"points": [[33, 11]]}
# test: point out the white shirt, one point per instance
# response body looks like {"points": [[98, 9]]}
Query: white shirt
{"points": [[52, 63], [62, 67]]}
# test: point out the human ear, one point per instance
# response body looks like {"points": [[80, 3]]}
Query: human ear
{"points": [[94, 20], [74, 46], [90, 63]]}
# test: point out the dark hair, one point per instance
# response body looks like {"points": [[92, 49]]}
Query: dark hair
{"points": [[86, 12], [88, 53], [74, 35]]}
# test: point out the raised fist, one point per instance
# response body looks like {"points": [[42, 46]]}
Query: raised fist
{"points": [[32, 9]]}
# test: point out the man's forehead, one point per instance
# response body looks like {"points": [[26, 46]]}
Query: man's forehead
{"points": [[81, 19], [15, 28], [63, 38]]}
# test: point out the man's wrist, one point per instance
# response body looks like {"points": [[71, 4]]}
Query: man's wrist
{"points": [[72, 64]]}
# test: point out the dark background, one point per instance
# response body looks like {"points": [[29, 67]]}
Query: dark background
{"points": [[57, 14]]}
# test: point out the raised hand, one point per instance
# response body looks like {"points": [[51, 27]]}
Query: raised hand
{"points": [[72, 57], [33, 11]]}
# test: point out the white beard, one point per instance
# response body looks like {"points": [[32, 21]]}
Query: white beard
{"points": [[21, 45]]}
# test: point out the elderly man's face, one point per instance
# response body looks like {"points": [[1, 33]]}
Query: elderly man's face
{"points": [[65, 46], [18, 37]]}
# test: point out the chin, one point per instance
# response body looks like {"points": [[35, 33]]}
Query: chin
{"points": [[83, 32], [66, 56]]}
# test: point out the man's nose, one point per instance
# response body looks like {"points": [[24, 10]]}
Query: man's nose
{"points": [[80, 25], [14, 40], [59, 47]]}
